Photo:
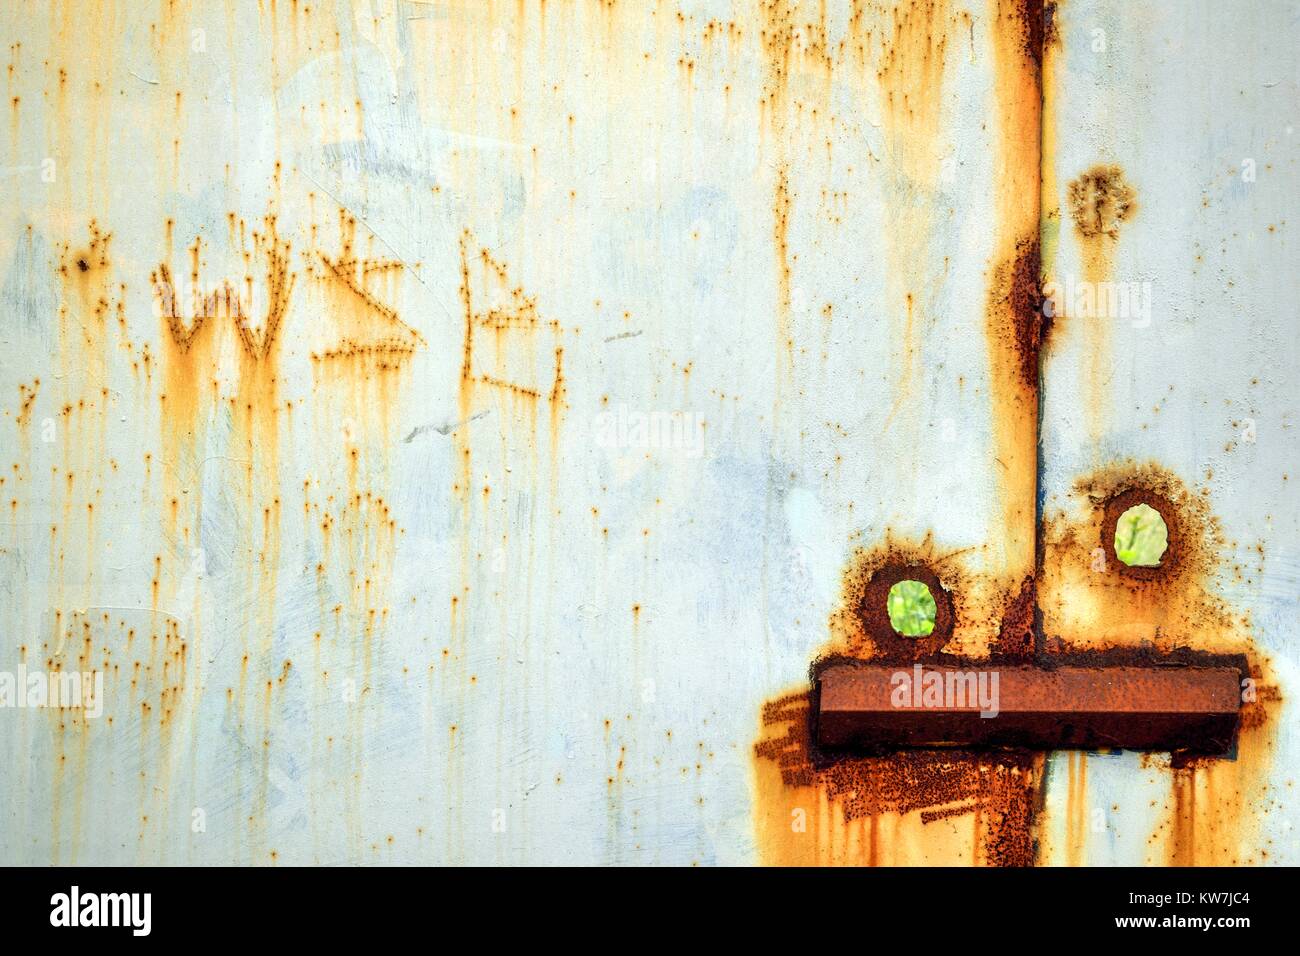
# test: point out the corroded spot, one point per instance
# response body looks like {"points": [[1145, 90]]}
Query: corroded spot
{"points": [[1017, 296], [998, 793], [1100, 200]]}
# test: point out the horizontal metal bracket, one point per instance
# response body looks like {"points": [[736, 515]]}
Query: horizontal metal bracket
{"points": [[874, 707]]}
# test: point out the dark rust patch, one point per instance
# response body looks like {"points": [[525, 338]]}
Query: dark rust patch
{"points": [[874, 610], [1196, 541], [1051, 27], [1020, 627], [1018, 287], [1000, 792], [1100, 200], [965, 602], [1034, 17]]}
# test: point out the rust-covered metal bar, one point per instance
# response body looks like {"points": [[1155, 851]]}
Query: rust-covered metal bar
{"points": [[882, 706]]}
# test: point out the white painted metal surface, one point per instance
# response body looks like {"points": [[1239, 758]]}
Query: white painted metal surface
{"points": [[610, 331]]}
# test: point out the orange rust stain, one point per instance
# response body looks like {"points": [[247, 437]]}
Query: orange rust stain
{"points": [[1215, 807], [923, 807], [365, 347], [798, 63], [1077, 819], [88, 297], [911, 55], [1000, 793], [1100, 200], [513, 360], [1015, 327], [1090, 599], [781, 238], [1015, 330], [810, 807], [978, 599]]}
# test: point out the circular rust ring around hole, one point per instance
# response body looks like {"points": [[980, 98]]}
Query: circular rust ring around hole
{"points": [[1115, 507], [874, 612]]}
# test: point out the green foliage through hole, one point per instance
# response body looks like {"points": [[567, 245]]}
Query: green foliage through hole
{"points": [[911, 609]]}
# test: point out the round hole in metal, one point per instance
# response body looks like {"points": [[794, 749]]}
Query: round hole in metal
{"points": [[911, 609], [1141, 537]]}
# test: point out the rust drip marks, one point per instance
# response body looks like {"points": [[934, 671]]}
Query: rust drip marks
{"points": [[370, 343], [913, 61], [787, 41], [1081, 608], [558, 388], [781, 242], [507, 323], [221, 302], [781, 236], [27, 395], [90, 258], [1100, 200], [383, 355], [467, 298], [279, 279], [349, 273], [225, 300], [511, 387]]}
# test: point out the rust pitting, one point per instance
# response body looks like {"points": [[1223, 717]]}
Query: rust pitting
{"points": [[999, 792], [225, 302], [860, 625], [1100, 200], [1021, 624], [1195, 538], [1037, 27], [1095, 608], [1017, 289], [873, 608]]}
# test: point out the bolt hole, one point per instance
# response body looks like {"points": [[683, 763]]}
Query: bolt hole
{"points": [[911, 609], [1141, 537]]}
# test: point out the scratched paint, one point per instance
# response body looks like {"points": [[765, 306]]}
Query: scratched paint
{"points": [[454, 430]]}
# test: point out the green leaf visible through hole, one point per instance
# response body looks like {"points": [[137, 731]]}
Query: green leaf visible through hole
{"points": [[911, 609], [1141, 537]]}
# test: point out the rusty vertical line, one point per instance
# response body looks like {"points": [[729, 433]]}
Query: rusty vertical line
{"points": [[1046, 24], [1016, 332], [1016, 322]]}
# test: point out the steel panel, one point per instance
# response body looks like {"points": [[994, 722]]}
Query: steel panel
{"points": [[1188, 391], [589, 354]]}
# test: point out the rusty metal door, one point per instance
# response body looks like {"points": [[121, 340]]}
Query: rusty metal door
{"points": [[449, 432]]}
